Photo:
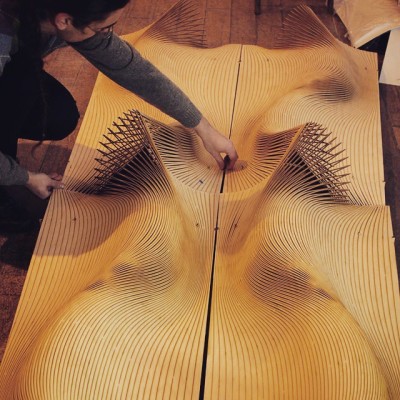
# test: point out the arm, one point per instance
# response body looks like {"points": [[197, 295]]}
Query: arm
{"points": [[9, 26], [124, 65], [11, 173], [5, 48]]}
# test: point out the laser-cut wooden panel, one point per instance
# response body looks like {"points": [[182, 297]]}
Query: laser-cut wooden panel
{"points": [[156, 275], [287, 305]]}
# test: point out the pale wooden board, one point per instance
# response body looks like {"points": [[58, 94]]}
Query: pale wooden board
{"points": [[390, 73], [367, 19]]}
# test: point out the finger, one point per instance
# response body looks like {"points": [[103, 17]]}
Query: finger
{"points": [[55, 176], [218, 159], [44, 194], [56, 185], [232, 157], [59, 185]]}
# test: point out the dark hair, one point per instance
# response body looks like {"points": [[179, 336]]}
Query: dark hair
{"points": [[32, 12], [83, 12]]}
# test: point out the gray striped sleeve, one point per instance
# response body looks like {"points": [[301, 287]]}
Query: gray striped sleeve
{"points": [[124, 65], [11, 173], [5, 48]]}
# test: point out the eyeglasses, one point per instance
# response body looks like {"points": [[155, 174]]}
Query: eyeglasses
{"points": [[106, 31]]}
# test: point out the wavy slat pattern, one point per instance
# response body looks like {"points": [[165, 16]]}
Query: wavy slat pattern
{"points": [[367, 19], [335, 86], [182, 24], [134, 306], [158, 276], [294, 302]]}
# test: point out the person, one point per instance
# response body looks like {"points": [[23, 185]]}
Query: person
{"points": [[34, 105]]}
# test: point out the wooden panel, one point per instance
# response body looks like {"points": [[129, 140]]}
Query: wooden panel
{"points": [[271, 306], [280, 100], [304, 301], [93, 303]]}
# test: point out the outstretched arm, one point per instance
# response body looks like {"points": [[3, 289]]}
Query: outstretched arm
{"points": [[124, 65]]}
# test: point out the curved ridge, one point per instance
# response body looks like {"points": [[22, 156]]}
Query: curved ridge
{"points": [[309, 30], [181, 24], [127, 159]]}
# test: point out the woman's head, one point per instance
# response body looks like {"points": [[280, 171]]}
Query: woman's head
{"points": [[82, 12], [77, 20], [69, 19]]}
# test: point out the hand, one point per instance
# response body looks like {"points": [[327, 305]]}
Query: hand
{"points": [[42, 184], [215, 143]]}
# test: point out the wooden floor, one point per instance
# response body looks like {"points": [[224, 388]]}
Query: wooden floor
{"points": [[227, 21]]}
